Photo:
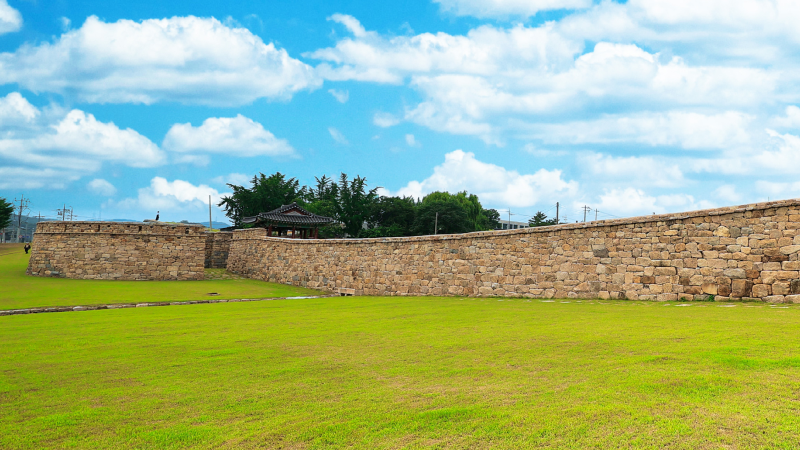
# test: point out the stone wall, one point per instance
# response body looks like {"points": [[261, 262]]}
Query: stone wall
{"points": [[118, 251], [744, 252], [217, 248]]}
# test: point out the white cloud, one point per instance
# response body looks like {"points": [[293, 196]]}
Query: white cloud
{"points": [[233, 136], [485, 50], [16, 110], [351, 23], [674, 128], [55, 147], [727, 193], [341, 96], [791, 120], [494, 185], [495, 81], [10, 18], [21, 177], [412, 141], [505, 8], [384, 120], [776, 190], [180, 59], [170, 197], [238, 179], [338, 136], [734, 30], [75, 141], [631, 201], [100, 186], [633, 170]]}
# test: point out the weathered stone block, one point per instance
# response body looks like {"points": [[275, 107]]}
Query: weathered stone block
{"points": [[709, 288], [761, 290]]}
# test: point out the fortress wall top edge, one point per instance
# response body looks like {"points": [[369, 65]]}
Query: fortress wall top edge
{"points": [[659, 219]]}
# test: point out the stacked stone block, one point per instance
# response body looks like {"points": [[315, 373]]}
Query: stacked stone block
{"points": [[118, 251], [745, 252], [217, 247]]}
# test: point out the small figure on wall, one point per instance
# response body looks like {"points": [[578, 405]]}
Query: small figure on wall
{"points": [[27, 248], [157, 214]]}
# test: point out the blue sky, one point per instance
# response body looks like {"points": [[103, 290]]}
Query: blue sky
{"points": [[120, 109]]}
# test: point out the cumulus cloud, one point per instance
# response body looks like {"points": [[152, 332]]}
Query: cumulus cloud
{"points": [[368, 56], [494, 81], [170, 197], [675, 128], [633, 170], [16, 110], [100, 186], [234, 136], [494, 185], [412, 141], [52, 147], [631, 201], [180, 59], [338, 136], [74, 142], [10, 18], [508, 8], [790, 120]]}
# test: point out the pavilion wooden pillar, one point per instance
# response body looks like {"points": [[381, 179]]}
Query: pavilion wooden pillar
{"points": [[316, 233], [269, 231], [294, 232]]}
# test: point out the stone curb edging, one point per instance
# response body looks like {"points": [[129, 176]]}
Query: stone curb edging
{"points": [[51, 309]]}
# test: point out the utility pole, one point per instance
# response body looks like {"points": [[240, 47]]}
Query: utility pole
{"points": [[556, 213], [595, 215], [209, 213], [436, 224], [23, 205], [63, 213], [585, 210]]}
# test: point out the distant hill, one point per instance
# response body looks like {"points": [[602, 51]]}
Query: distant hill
{"points": [[216, 225]]}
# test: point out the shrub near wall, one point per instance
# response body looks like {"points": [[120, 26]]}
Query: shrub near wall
{"points": [[118, 251], [744, 252]]}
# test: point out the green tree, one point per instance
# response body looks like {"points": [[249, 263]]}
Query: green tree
{"points": [[6, 211], [391, 216], [541, 220], [354, 203], [265, 194], [491, 219], [476, 216], [322, 200], [452, 218]]}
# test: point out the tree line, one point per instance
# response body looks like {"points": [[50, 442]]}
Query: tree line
{"points": [[359, 208], [6, 212]]}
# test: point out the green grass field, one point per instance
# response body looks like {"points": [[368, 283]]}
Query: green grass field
{"points": [[366, 373], [18, 290]]}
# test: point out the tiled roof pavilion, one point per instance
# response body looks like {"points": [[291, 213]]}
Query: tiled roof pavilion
{"points": [[290, 217]]}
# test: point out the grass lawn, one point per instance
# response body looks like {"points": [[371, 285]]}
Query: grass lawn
{"points": [[362, 372], [18, 290]]}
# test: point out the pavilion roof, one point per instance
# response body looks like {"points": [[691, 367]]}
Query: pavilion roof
{"points": [[291, 214]]}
